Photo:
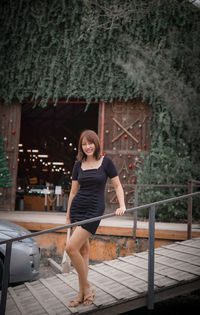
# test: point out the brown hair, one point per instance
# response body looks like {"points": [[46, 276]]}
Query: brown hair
{"points": [[91, 136]]}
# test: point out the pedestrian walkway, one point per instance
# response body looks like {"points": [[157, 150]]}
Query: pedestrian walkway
{"points": [[121, 284]]}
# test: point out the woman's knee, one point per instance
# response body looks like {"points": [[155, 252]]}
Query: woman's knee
{"points": [[70, 249]]}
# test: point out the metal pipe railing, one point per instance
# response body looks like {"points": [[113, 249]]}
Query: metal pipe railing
{"points": [[151, 207]]}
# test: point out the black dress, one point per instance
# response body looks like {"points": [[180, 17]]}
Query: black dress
{"points": [[89, 202]]}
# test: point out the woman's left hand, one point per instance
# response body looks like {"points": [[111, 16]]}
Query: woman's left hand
{"points": [[120, 211]]}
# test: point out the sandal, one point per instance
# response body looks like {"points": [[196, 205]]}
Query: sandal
{"points": [[88, 299], [75, 302]]}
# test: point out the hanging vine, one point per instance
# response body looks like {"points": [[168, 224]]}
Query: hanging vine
{"points": [[53, 49]]}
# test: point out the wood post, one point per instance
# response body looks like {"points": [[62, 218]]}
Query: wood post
{"points": [[189, 223]]}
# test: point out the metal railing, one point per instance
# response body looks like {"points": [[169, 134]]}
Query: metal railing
{"points": [[151, 207]]}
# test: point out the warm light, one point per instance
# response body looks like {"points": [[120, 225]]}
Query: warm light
{"points": [[21, 150], [20, 145], [35, 151], [42, 155], [28, 150], [58, 163]]}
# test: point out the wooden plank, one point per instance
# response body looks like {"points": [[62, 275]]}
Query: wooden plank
{"points": [[175, 262], [101, 298], [122, 265], [186, 249], [118, 291], [71, 280], [11, 307], [181, 257], [161, 278], [141, 270], [169, 272], [122, 277], [10, 120], [52, 288], [27, 301], [21, 309], [178, 265], [54, 304], [40, 299], [191, 243]]}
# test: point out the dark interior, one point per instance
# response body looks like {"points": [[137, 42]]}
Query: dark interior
{"points": [[54, 131]]}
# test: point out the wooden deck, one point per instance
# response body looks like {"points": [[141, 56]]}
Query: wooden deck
{"points": [[121, 284]]}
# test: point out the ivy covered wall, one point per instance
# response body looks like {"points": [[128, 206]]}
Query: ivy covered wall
{"points": [[59, 48]]}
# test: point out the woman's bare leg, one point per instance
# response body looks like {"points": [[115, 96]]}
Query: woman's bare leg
{"points": [[79, 243], [84, 251]]}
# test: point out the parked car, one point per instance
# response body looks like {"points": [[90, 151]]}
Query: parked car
{"points": [[25, 255]]}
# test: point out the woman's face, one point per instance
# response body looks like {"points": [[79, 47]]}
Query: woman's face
{"points": [[88, 147]]}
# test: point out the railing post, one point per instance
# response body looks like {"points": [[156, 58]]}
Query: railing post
{"points": [[6, 276], [189, 219], [151, 258], [135, 212]]}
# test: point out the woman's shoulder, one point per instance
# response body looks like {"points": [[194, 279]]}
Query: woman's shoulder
{"points": [[77, 164], [107, 160]]}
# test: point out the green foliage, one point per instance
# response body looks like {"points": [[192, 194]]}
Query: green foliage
{"points": [[5, 180], [167, 163], [52, 49]]}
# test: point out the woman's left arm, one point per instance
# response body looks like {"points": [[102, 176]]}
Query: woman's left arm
{"points": [[120, 195]]}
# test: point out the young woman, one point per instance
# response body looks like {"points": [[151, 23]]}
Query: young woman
{"points": [[86, 200]]}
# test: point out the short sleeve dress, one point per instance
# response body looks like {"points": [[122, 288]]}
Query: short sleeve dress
{"points": [[89, 202]]}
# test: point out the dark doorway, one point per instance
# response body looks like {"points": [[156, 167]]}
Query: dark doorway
{"points": [[49, 141]]}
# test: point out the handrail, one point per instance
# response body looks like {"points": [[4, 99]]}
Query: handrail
{"points": [[151, 245], [105, 216]]}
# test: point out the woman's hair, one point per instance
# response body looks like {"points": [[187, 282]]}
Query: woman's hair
{"points": [[92, 137]]}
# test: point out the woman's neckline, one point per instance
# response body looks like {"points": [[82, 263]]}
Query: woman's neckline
{"points": [[95, 168]]}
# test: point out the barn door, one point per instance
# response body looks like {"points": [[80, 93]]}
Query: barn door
{"points": [[10, 121], [124, 131]]}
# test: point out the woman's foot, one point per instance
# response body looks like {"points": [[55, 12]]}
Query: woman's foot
{"points": [[89, 296], [76, 301]]}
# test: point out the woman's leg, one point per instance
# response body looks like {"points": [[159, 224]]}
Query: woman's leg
{"points": [[85, 251], [79, 243]]}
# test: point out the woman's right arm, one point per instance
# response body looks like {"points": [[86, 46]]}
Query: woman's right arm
{"points": [[74, 189]]}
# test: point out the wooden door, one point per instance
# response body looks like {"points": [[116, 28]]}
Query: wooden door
{"points": [[124, 132], [10, 121]]}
